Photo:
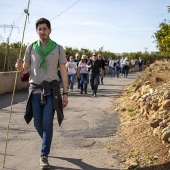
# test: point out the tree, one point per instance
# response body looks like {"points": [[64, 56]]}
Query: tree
{"points": [[162, 37], [14, 49]]}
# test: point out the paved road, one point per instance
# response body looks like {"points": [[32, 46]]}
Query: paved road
{"points": [[82, 143]]}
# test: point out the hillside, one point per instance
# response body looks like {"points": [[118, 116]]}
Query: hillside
{"points": [[144, 108]]}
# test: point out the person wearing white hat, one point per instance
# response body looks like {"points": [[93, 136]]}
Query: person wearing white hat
{"points": [[83, 74]]}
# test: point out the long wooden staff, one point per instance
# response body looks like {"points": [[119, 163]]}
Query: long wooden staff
{"points": [[9, 120]]}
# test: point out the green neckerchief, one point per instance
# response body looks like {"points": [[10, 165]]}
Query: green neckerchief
{"points": [[50, 46]]}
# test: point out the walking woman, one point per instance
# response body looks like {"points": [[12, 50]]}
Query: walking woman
{"points": [[83, 74], [72, 69]]}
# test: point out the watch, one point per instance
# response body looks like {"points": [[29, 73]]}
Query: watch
{"points": [[65, 93]]}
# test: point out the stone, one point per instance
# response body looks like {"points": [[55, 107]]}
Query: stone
{"points": [[133, 97], [165, 129], [148, 100], [155, 106], [145, 96], [166, 103], [146, 109], [164, 123], [147, 82], [157, 132], [165, 135], [166, 94], [123, 109], [142, 104], [145, 89], [138, 86], [154, 123], [142, 110]]}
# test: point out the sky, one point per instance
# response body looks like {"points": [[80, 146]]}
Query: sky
{"points": [[115, 25]]}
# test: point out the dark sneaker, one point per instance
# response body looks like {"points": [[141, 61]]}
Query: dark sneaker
{"points": [[81, 92], [85, 92], [44, 162]]}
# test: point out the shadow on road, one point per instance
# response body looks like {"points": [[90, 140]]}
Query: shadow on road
{"points": [[20, 96], [79, 163]]}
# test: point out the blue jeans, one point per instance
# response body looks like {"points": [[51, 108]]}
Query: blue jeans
{"points": [[112, 71], [43, 120], [140, 67], [126, 68], [83, 81], [78, 82], [117, 73], [94, 80], [71, 78]]}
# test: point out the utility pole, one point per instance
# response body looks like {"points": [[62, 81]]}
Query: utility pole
{"points": [[7, 59], [7, 54]]}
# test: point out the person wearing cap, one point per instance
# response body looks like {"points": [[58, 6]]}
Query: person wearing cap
{"points": [[83, 74], [77, 60], [95, 70], [72, 69], [103, 68]]}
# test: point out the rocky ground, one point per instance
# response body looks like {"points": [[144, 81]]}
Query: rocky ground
{"points": [[144, 108]]}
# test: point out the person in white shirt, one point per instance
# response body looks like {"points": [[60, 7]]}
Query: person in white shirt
{"points": [[122, 64], [126, 67], [72, 69], [133, 64], [83, 74], [111, 67]]}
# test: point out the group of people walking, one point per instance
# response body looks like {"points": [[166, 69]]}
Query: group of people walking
{"points": [[92, 70], [123, 66], [87, 71]]}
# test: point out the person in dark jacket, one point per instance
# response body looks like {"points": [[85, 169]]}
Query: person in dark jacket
{"points": [[95, 71], [140, 63], [103, 68], [41, 60]]}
